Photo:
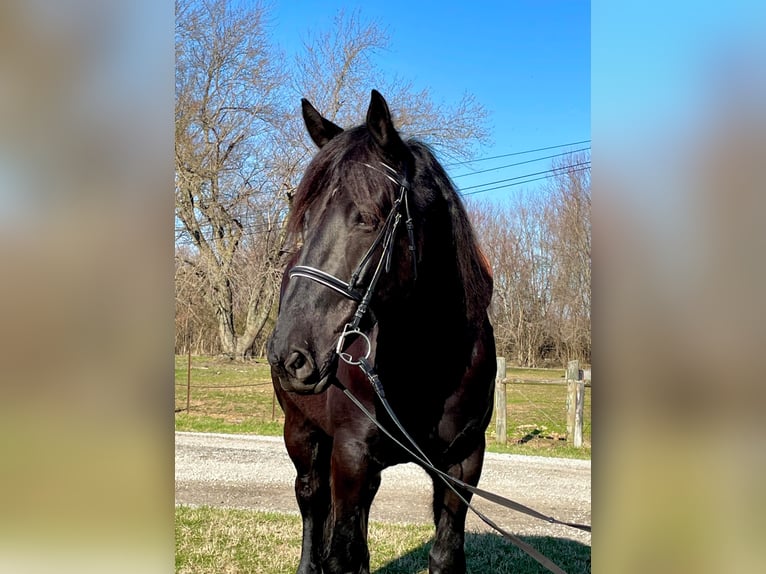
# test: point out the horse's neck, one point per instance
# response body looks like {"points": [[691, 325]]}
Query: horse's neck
{"points": [[432, 323]]}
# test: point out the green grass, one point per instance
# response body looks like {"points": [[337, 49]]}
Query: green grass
{"points": [[226, 396], [237, 397], [536, 421], [225, 540], [522, 374]]}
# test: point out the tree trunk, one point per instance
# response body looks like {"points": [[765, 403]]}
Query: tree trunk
{"points": [[258, 311]]}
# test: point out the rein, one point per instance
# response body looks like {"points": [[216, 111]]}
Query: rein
{"points": [[348, 289]]}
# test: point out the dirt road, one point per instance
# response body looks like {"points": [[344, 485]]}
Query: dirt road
{"points": [[238, 471]]}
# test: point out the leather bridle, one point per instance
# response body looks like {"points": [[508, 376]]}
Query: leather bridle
{"points": [[385, 240]]}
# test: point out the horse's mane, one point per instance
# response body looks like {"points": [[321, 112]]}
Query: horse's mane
{"points": [[351, 162], [472, 264]]}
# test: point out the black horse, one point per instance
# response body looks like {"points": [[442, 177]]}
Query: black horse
{"points": [[408, 299]]}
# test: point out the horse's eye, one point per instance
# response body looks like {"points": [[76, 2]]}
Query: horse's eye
{"points": [[365, 222], [365, 226]]}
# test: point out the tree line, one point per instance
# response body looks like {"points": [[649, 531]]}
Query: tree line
{"points": [[240, 149], [540, 250]]}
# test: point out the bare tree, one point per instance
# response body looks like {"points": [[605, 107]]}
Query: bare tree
{"points": [[515, 240], [568, 217], [226, 105], [539, 248], [336, 71], [240, 154], [530, 278], [195, 325]]}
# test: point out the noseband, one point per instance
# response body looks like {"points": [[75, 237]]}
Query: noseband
{"points": [[385, 238]]}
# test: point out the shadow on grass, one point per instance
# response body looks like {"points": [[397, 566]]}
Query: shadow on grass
{"points": [[529, 436], [491, 553]]}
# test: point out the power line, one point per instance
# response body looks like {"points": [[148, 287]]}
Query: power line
{"points": [[519, 182], [520, 163], [514, 153], [550, 171]]}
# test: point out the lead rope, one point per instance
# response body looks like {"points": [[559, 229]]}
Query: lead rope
{"points": [[451, 481]]}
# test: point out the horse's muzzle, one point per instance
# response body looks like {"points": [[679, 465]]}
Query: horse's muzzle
{"points": [[297, 370]]}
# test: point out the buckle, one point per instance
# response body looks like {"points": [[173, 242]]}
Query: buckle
{"points": [[347, 358]]}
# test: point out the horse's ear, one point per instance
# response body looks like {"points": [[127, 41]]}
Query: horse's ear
{"points": [[380, 124], [320, 129]]}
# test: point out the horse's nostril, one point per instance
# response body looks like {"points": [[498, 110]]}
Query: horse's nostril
{"points": [[299, 365], [298, 361]]}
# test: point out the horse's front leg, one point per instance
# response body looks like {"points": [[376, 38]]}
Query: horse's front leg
{"points": [[447, 554], [354, 483], [309, 450]]}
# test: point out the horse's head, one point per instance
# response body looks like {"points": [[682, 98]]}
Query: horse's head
{"points": [[344, 208], [364, 207]]}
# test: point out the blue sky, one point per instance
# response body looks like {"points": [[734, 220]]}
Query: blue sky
{"points": [[527, 62]]}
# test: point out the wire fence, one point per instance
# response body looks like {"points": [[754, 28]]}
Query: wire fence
{"points": [[241, 393]]}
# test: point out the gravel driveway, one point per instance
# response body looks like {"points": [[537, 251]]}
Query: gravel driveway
{"points": [[243, 471]]}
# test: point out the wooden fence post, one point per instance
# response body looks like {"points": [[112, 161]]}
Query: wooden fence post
{"points": [[188, 381], [500, 403], [579, 401], [575, 400]]}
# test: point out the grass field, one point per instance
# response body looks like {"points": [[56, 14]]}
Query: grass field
{"points": [[236, 397], [225, 540], [233, 397]]}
